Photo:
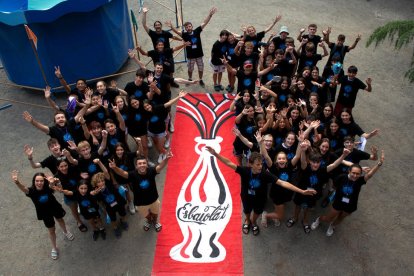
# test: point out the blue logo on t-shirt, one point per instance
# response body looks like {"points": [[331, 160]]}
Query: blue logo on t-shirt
{"points": [[138, 93], [125, 168], [347, 91], [194, 40], [269, 77], [333, 143], [254, 183], [138, 117], [250, 129], [282, 98], [309, 63], [43, 198], [109, 198], [284, 176], [144, 184], [231, 51], [85, 203], [348, 190], [67, 137], [278, 141], [113, 141], [72, 182], [313, 180], [290, 155], [154, 119], [100, 115], [247, 82], [92, 168], [344, 131], [223, 49]]}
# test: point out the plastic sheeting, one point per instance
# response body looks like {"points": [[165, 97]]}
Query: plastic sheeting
{"points": [[88, 39]]}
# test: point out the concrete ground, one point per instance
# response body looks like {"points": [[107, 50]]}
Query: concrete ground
{"points": [[376, 240]]}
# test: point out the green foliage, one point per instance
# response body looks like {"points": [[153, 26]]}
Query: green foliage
{"points": [[401, 33]]}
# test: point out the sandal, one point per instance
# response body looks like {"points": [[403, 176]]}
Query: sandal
{"points": [[306, 228], [146, 226], [290, 222], [54, 254], [255, 230], [82, 227], [246, 228], [158, 227]]}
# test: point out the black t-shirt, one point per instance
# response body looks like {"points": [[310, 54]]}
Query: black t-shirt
{"points": [[195, 50], [337, 51], [63, 134], [313, 179], [110, 196], [218, 51], [290, 152], [87, 165], [231, 57], [70, 180], [255, 40], [127, 164], [285, 174], [110, 96], [308, 61], [143, 187], [119, 137], [99, 115], [349, 89], [139, 92], [164, 36], [347, 192], [87, 203], [165, 58], [315, 40], [44, 201], [279, 43], [351, 129], [253, 58], [254, 185], [156, 121], [164, 84], [355, 157], [137, 121], [51, 162], [246, 81]]}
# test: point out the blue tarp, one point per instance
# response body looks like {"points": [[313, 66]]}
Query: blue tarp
{"points": [[88, 39]]}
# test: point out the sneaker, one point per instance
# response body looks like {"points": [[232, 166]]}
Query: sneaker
{"points": [[117, 232], [217, 88], [150, 144], [175, 85], [151, 164], [161, 157], [264, 219], [330, 231], [315, 224], [201, 83], [229, 89], [95, 235], [124, 225], [131, 208], [69, 236], [221, 87], [171, 127], [103, 233], [167, 143], [277, 222], [189, 80]]}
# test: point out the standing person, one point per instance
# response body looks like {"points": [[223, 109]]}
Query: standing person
{"points": [[350, 85], [47, 207], [195, 49], [144, 187], [254, 188], [346, 198], [233, 60], [217, 52], [158, 34], [311, 36], [313, 177], [280, 40], [338, 49], [138, 88]]}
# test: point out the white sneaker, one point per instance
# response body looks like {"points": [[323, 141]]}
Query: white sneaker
{"points": [[330, 231], [167, 143], [69, 236], [315, 224], [150, 144], [131, 207], [277, 222], [161, 157]]}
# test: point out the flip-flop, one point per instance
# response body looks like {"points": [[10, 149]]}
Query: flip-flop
{"points": [[306, 228], [246, 228], [146, 226], [54, 254], [255, 230]]}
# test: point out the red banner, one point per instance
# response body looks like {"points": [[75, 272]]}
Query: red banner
{"points": [[200, 213]]}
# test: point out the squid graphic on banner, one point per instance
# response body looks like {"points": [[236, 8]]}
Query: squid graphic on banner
{"points": [[204, 205]]}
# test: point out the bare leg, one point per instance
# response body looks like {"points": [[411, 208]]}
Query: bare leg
{"points": [[52, 236], [215, 78], [62, 224], [219, 77], [340, 218], [74, 211]]}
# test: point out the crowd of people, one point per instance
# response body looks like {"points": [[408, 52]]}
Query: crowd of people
{"points": [[288, 133]]}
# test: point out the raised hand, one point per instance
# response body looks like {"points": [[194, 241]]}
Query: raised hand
{"points": [[28, 150], [15, 175], [145, 10], [47, 92], [58, 73], [28, 117]]}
